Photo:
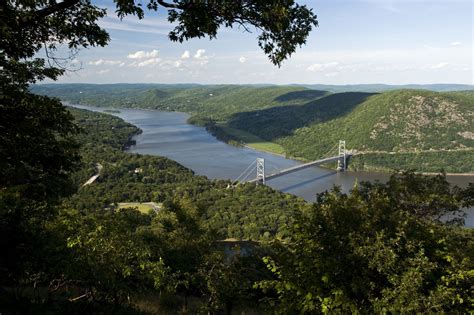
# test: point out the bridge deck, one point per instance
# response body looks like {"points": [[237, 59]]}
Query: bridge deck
{"points": [[300, 167]]}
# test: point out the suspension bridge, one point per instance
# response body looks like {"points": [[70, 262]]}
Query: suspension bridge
{"points": [[261, 177]]}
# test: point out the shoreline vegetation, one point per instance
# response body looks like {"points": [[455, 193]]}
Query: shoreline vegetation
{"points": [[289, 121], [232, 138]]}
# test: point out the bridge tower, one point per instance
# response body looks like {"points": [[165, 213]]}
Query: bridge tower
{"points": [[260, 171], [341, 163]]}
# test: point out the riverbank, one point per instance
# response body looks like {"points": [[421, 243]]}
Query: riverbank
{"points": [[361, 162]]}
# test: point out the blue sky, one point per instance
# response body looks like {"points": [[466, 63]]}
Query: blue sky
{"points": [[361, 41]]}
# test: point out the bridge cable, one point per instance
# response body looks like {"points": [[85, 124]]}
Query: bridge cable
{"points": [[245, 178], [328, 154], [244, 172], [242, 176]]}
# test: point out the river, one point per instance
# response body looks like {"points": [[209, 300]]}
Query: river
{"points": [[168, 134]]}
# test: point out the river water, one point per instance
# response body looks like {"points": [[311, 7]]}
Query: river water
{"points": [[168, 134]]}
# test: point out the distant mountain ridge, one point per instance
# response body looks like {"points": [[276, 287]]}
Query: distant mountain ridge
{"points": [[376, 87], [442, 87]]}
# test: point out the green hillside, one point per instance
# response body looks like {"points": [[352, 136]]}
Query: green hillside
{"points": [[434, 129], [212, 101], [401, 129]]}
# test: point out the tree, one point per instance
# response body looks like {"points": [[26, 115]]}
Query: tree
{"points": [[108, 256], [28, 26], [368, 252]]}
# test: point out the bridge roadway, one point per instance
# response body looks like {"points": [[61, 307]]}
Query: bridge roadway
{"points": [[300, 167]]}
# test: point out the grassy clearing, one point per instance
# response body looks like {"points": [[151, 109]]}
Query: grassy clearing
{"points": [[142, 207], [253, 141]]}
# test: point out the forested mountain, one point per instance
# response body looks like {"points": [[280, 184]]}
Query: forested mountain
{"points": [[401, 129]]}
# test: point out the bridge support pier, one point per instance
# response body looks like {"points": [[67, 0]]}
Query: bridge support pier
{"points": [[260, 171], [342, 162]]}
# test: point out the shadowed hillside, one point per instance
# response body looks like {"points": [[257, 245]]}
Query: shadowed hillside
{"points": [[304, 95], [276, 122]]}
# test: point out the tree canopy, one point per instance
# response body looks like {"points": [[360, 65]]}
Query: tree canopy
{"points": [[26, 27], [375, 250]]}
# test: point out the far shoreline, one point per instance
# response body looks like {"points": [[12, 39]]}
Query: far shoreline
{"points": [[245, 145]]}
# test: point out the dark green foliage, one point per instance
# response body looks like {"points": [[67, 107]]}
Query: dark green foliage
{"points": [[451, 162], [229, 280], [38, 150], [375, 250], [38, 154], [107, 257], [100, 130], [283, 25]]}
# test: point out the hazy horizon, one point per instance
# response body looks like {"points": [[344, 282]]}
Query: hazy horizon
{"points": [[261, 83]]}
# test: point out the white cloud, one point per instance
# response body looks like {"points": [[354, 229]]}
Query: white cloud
{"points": [[149, 62], [455, 44], [242, 59], [100, 62], [201, 58], [143, 54], [186, 55], [200, 54], [322, 66], [153, 26], [104, 71], [439, 65], [169, 64], [352, 67], [96, 62], [332, 74]]}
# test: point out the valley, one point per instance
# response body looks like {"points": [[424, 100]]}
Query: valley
{"points": [[423, 130]]}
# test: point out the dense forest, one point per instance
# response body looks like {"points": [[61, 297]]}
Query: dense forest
{"points": [[211, 248], [243, 212], [435, 132]]}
